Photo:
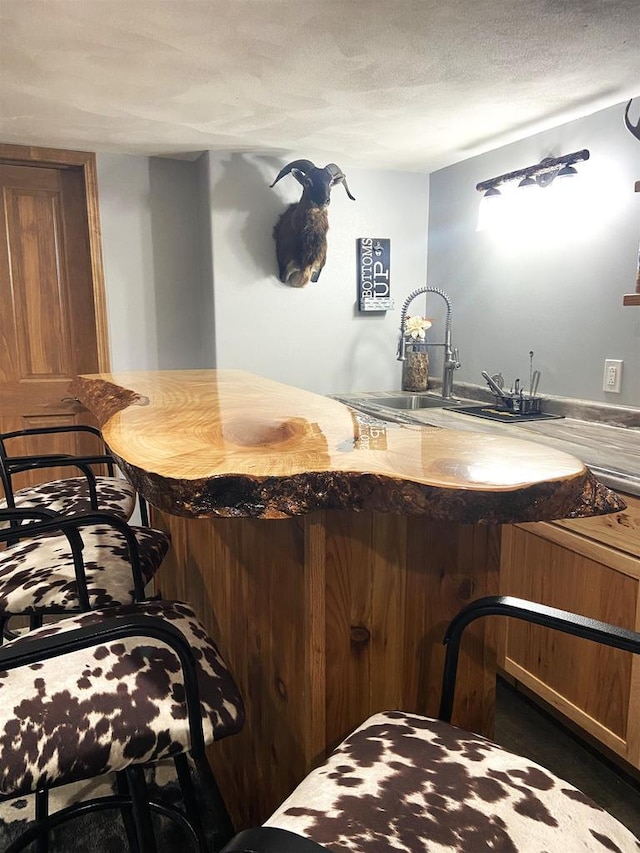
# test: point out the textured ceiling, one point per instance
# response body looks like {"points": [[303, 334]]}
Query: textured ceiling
{"points": [[409, 84]]}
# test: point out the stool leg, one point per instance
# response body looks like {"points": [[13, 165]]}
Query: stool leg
{"points": [[5, 633], [215, 803], [122, 788], [189, 799], [144, 513], [141, 811], [42, 813]]}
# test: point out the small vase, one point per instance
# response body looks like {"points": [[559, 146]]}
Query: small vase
{"points": [[415, 369]]}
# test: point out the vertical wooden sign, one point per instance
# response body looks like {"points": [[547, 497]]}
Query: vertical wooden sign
{"points": [[374, 273]]}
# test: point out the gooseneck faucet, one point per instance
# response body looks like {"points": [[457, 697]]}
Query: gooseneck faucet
{"points": [[450, 360]]}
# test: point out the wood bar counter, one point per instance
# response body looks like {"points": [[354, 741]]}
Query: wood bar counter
{"points": [[325, 552]]}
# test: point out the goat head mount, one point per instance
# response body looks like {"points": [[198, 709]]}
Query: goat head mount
{"points": [[632, 128], [301, 231]]}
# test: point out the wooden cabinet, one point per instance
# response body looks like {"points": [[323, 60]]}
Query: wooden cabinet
{"points": [[590, 566]]}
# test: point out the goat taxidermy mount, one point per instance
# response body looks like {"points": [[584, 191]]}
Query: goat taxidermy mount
{"points": [[301, 231]]}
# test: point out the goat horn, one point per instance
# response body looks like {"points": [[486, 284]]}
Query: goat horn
{"points": [[302, 166], [338, 176], [632, 128]]}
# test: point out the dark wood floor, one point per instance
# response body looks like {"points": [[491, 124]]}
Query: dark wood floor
{"points": [[526, 729]]}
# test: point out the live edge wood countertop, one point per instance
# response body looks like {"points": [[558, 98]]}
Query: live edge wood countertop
{"points": [[226, 443], [325, 552]]}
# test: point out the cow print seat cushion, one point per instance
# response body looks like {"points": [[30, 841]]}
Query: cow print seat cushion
{"points": [[101, 709], [408, 783], [71, 496], [37, 573]]}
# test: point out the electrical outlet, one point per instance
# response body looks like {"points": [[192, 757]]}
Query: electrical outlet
{"points": [[612, 375]]}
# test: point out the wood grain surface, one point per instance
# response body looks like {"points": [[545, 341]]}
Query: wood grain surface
{"points": [[227, 443], [591, 567], [325, 619]]}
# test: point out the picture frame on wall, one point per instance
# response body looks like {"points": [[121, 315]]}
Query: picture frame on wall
{"points": [[374, 273]]}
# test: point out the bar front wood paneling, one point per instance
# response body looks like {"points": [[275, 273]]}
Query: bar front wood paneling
{"points": [[325, 565], [324, 620]]}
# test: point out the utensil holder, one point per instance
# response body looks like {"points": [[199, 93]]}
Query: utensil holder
{"points": [[521, 405]]}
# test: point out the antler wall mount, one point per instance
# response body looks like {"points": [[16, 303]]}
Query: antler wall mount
{"points": [[632, 128]]}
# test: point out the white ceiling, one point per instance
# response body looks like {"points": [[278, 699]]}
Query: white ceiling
{"points": [[407, 84]]}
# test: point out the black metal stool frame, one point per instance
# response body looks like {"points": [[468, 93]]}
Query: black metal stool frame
{"points": [[44, 521], [133, 796], [274, 840], [9, 466]]}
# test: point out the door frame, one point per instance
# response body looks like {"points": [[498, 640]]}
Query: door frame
{"points": [[27, 155]]}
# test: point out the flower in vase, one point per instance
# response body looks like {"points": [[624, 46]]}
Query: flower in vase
{"points": [[416, 327]]}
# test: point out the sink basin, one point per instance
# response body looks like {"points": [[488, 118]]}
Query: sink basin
{"points": [[415, 401]]}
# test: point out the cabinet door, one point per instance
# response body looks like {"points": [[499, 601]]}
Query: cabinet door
{"points": [[619, 530], [594, 686]]}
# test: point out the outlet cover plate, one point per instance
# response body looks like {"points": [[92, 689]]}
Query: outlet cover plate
{"points": [[612, 379]]}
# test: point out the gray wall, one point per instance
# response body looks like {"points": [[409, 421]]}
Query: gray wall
{"points": [[553, 287], [191, 272], [206, 306], [312, 337], [190, 269], [157, 305]]}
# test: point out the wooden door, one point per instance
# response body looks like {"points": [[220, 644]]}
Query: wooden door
{"points": [[50, 317]]}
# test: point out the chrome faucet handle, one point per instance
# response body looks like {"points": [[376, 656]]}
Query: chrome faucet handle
{"points": [[452, 360], [401, 351]]}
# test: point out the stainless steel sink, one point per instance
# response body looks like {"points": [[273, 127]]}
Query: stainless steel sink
{"points": [[413, 402]]}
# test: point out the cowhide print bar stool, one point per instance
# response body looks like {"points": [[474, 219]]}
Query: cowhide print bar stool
{"points": [[73, 563], [115, 690], [73, 494], [405, 782]]}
